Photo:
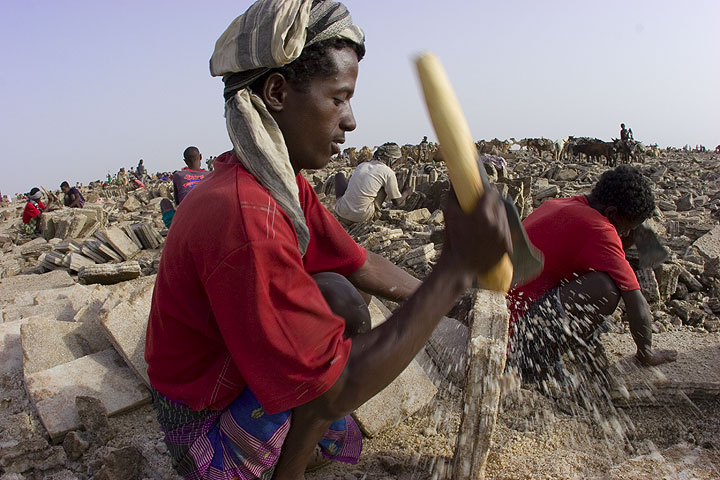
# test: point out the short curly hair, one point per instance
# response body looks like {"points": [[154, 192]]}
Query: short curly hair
{"points": [[626, 189], [312, 63]]}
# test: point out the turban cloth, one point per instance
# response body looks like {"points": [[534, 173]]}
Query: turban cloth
{"points": [[270, 34], [35, 196], [388, 153]]}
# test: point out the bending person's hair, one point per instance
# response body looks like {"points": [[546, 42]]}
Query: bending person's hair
{"points": [[626, 189]]}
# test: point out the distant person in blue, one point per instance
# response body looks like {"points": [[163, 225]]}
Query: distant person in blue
{"points": [[184, 180], [72, 197]]}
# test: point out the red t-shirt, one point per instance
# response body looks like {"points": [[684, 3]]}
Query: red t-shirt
{"points": [[575, 239], [234, 303], [31, 211]]}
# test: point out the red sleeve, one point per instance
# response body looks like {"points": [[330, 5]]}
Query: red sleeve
{"points": [[30, 211], [331, 249], [41, 205], [606, 254], [289, 347]]}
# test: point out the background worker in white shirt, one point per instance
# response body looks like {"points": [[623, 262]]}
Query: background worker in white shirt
{"points": [[370, 185]]}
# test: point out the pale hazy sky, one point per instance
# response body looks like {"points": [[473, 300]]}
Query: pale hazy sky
{"points": [[89, 86]]}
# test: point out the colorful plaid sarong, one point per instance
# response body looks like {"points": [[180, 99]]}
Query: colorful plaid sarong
{"points": [[242, 441]]}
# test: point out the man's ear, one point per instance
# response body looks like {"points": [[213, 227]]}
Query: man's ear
{"points": [[274, 92], [610, 212]]}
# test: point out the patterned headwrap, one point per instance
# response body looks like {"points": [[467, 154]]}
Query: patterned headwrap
{"points": [[388, 153], [270, 34], [35, 194]]}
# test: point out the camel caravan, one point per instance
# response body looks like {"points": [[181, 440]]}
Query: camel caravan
{"points": [[567, 149]]}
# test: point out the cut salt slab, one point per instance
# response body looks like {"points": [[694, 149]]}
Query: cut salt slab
{"points": [[448, 348], [378, 312], [10, 347], [407, 394], [109, 274], [125, 325], [121, 242], [13, 286], [670, 383], [47, 343], [709, 244], [102, 375]]}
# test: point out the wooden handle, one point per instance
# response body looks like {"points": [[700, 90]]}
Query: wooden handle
{"points": [[459, 152]]}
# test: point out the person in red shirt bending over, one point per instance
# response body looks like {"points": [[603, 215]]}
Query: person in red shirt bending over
{"points": [[584, 277], [252, 368], [33, 210]]}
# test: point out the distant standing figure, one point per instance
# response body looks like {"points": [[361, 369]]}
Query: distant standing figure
{"points": [[184, 180], [122, 177], [33, 210], [72, 197], [623, 133], [371, 183], [141, 172], [210, 163]]}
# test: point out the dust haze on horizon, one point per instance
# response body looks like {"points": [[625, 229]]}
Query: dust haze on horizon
{"points": [[89, 87]]}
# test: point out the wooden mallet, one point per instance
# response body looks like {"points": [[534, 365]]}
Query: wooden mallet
{"points": [[459, 151]]}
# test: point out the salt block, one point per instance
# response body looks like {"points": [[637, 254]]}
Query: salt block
{"points": [[669, 383], [420, 215], [709, 244], [667, 276], [35, 247], [125, 326], [648, 284], [60, 309], [132, 204], [127, 292], [108, 274], [76, 225], [47, 343], [108, 251], [14, 286], [102, 375], [121, 242], [75, 261], [378, 312], [10, 347], [407, 394], [448, 349]]}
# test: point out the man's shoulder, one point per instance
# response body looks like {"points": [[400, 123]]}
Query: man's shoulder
{"points": [[571, 212], [376, 167]]}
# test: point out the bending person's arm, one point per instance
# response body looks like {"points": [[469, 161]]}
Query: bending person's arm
{"points": [[640, 318], [75, 202]]}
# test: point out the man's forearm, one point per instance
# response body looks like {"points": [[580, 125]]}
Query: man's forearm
{"points": [[380, 277], [641, 331], [305, 432], [640, 320], [380, 355]]}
